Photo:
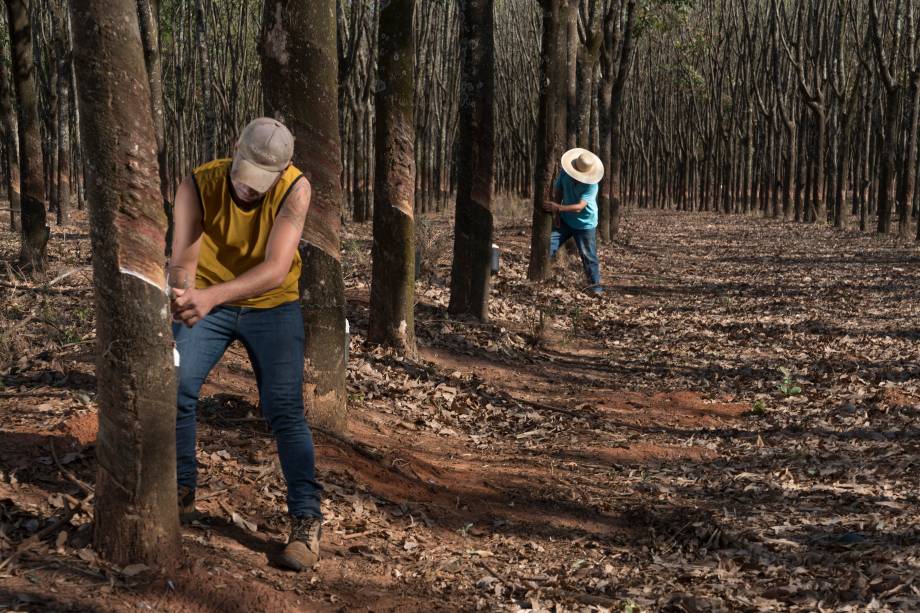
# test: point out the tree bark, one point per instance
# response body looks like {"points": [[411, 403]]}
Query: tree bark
{"points": [[887, 162], [52, 105], [605, 104], [135, 514], [470, 274], [909, 169], [616, 106], [841, 206], [392, 304], [148, 14], [299, 81], [818, 201], [35, 231], [892, 90], [62, 45], [587, 58], [571, 54], [789, 174], [10, 143], [207, 86], [550, 134]]}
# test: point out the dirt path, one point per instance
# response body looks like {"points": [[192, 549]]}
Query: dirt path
{"points": [[645, 450]]}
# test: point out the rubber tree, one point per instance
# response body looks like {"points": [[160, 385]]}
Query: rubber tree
{"points": [[893, 91], [35, 231], [207, 88], [149, 15], [588, 54], [571, 73], [551, 131], [135, 515], [10, 142], [616, 56], [392, 320], [471, 270], [63, 53], [300, 85]]}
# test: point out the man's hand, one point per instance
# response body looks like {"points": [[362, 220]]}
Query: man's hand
{"points": [[190, 306], [550, 207]]}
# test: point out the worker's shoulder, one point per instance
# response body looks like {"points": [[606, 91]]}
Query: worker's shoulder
{"points": [[214, 168], [293, 175], [294, 183]]}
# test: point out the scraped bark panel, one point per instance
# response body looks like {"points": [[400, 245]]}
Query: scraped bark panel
{"points": [[136, 509], [392, 320], [471, 270]]}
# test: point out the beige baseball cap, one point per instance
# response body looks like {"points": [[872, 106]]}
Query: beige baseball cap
{"points": [[263, 151]]}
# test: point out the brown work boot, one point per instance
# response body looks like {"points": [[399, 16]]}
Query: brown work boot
{"points": [[186, 501], [302, 550]]}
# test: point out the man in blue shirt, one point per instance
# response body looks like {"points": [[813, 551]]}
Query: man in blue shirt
{"points": [[574, 209]]}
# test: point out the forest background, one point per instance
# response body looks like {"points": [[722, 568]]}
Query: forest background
{"points": [[731, 333]]}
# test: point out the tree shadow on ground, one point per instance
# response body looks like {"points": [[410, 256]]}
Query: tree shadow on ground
{"points": [[503, 502], [227, 410], [27, 456], [855, 261], [39, 599], [72, 380], [19, 523], [257, 543]]}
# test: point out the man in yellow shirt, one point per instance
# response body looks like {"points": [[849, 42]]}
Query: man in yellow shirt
{"points": [[238, 223]]}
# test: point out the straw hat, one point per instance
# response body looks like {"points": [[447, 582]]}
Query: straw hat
{"points": [[583, 166]]}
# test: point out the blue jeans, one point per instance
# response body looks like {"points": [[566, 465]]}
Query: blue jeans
{"points": [[274, 340], [587, 249]]}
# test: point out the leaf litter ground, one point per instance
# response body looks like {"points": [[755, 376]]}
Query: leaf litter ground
{"points": [[732, 427]]}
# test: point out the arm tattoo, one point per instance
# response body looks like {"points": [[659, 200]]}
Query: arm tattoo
{"points": [[294, 209]]}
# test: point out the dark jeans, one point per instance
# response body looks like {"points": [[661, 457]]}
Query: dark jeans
{"points": [[274, 340], [587, 249]]}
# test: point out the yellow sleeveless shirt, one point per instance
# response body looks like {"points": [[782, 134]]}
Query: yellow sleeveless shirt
{"points": [[234, 238]]}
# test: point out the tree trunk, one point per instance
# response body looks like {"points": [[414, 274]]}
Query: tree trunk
{"points": [[606, 125], [10, 144], [801, 176], [358, 175], [909, 169], [35, 231], [79, 172], [392, 304], [367, 158], [606, 132], [299, 81], [809, 190], [571, 48], [789, 174], [586, 68], [818, 201], [841, 206], [749, 165], [470, 274], [886, 172], [148, 14], [62, 43], [207, 86], [135, 515], [616, 105], [550, 134], [51, 151]]}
